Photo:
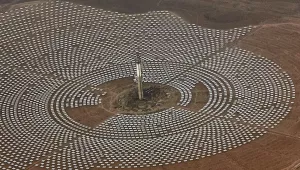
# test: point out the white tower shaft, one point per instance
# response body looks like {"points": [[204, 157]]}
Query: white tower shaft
{"points": [[139, 80]]}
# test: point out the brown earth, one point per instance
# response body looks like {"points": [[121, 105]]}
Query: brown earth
{"points": [[200, 98], [93, 115], [220, 14], [277, 38], [280, 147], [208, 13], [110, 95], [269, 152], [89, 115], [157, 97], [6, 5]]}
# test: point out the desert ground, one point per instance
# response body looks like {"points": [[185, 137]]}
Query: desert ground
{"points": [[277, 37]]}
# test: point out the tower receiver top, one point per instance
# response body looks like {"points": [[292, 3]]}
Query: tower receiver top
{"points": [[138, 57]]}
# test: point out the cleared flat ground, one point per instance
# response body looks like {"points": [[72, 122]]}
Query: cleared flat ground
{"points": [[221, 14], [277, 38], [94, 115], [280, 147]]}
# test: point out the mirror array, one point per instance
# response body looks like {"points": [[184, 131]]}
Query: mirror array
{"points": [[50, 52]]}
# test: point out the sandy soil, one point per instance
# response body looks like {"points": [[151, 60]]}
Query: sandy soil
{"points": [[278, 39], [269, 152], [208, 13], [280, 147], [220, 14], [200, 98], [6, 5], [89, 115], [94, 115]]}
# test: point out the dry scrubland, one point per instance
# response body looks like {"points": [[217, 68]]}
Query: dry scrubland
{"points": [[221, 14], [276, 38]]}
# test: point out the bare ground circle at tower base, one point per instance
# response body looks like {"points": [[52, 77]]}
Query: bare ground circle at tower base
{"points": [[115, 90], [44, 82]]}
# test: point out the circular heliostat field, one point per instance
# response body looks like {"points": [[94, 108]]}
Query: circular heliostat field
{"points": [[56, 55]]}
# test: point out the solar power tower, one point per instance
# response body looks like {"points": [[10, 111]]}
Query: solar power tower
{"points": [[139, 77]]}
